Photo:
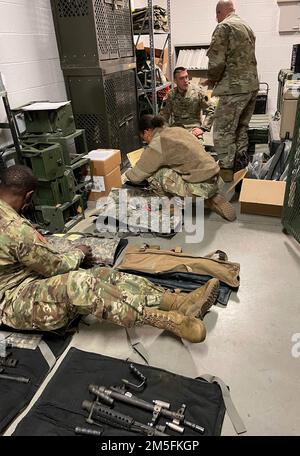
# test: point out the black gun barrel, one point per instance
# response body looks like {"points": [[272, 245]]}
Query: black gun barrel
{"points": [[15, 378], [119, 420], [131, 400]]}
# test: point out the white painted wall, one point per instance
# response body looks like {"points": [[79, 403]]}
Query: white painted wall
{"points": [[193, 22], [29, 57]]}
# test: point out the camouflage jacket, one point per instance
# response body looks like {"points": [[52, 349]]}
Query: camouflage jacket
{"points": [[137, 211], [25, 255], [232, 62], [177, 149], [185, 110]]}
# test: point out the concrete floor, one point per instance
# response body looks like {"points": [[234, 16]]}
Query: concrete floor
{"points": [[249, 342]]}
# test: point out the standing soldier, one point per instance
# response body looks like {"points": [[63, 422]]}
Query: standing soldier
{"points": [[186, 104], [233, 71]]}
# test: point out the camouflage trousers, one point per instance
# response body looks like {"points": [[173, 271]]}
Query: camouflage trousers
{"points": [[107, 294], [167, 182], [230, 131]]}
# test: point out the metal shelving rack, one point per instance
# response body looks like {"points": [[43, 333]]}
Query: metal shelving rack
{"points": [[97, 56], [151, 32], [11, 123]]}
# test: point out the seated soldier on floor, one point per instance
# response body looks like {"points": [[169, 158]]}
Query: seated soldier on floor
{"points": [[185, 105], [175, 163], [44, 290]]}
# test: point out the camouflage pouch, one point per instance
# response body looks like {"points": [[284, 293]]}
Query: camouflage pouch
{"points": [[105, 251]]}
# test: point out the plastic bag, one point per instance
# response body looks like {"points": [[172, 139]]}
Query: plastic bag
{"points": [[254, 168]]}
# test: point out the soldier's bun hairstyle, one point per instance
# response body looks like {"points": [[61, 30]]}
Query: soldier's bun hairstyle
{"points": [[150, 122], [18, 179]]}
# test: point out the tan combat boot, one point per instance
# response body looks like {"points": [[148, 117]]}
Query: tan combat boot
{"points": [[189, 328], [221, 206], [194, 304]]}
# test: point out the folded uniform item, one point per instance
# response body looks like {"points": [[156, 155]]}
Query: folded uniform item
{"points": [[105, 251], [140, 18], [135, 210]]}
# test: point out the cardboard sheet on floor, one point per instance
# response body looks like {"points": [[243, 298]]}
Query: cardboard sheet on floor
{"points": [[58, 411], [14, 396]]}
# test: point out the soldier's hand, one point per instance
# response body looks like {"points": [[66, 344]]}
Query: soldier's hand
{"points": [[197, 132], [88, 253], [86, 249], [208, 84]]}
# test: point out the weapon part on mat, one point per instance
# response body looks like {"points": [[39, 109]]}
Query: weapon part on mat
{"points": [[13, 377], [139, 376], [158, 408], [88, 431], [8, 362], [101, 413]]}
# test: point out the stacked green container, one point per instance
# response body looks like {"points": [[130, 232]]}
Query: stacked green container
{"points": [[54, 150]]}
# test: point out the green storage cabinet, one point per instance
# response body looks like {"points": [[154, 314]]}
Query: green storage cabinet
{"points": [[60, 218], [45, 160], [74, 146], [55, 192]]}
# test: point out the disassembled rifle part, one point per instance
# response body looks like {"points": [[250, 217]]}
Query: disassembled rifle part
{"points": [[13, 378], [88, 431], [139, 376], [105, 415], [7, 362], [158, 408]]}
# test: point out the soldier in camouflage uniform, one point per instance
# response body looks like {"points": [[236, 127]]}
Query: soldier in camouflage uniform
{"points": [[233, 70], [43, 289], [175, 164], [185, 104]]}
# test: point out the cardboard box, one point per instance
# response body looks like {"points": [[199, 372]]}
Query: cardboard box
{"points": [[237, 178], [259, 197], [262, 197], [103, 184], [161, 58], [104, 161]]}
